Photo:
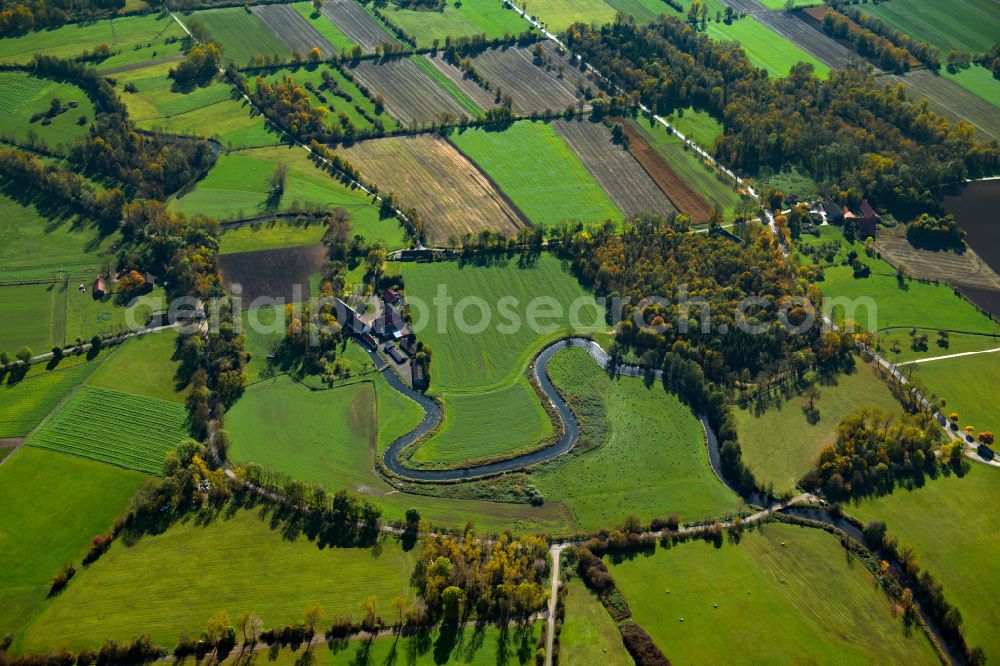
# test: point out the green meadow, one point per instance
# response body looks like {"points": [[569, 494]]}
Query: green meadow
{"points": [[133, 39], [781, 445], [765, 47], [783, 594], [28, 317], [237, 187], [239, 34], [968, 25], [22, 96], [589, 635], [144, 365], [949, 521], [271, 235], [53, 504], [145, 587], [642, 452], [567, 192], [25, 402], [324, 26], [45, 243], [967, 385], [457, 19]]}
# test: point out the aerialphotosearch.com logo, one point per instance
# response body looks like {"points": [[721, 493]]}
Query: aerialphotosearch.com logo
{"points": [[542, 314]]}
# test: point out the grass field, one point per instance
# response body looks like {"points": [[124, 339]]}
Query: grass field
{"points": [[651, 458], [122, 429], [795, 581], [589, 635], [765, 47], [25, 403], [53, 504], [336, 105], [481, 644], [23, 95], [44, 243], [949, 521], [568, 191], [237, 187], [312, 435], [325, 27], [557, 15], [240, 35], [143, 366], [271, 235], [963, 25], [492, 359], [698, 126], [87, 316], [156, 95], [134, 39], [915, 304], [781, 445], [968, 385], [145, 587], [688, 167], [979, 81], [29, 312], [464, 19], [957, 343], [499, 422]]}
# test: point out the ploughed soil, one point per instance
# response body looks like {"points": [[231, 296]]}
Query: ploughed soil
{"points": [[684, 198], [278, 274]]}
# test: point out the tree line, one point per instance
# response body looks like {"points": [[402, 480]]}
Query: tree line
{"points": [[851, 133], [877, 28], [18, 16]]}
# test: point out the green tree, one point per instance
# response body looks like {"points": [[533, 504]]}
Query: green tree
{"points": [[451, 603]]}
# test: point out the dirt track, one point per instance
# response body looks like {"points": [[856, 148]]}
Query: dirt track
{"points": [[681, 195]]}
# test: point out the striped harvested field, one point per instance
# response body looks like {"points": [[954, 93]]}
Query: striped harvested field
{"points": [[452, 196]]}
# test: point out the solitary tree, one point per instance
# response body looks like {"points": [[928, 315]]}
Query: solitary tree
{"points": [[370, 609], [314, 615], [399, 605]]}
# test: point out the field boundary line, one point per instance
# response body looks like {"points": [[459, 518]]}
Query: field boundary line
{"points": [[948, 356]]}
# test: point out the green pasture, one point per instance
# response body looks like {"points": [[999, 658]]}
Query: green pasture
{"points": [[781, 445], [29, 312], [146, 587], [25, 402], [963, 25], [949, 522], [133, 39], [557, 15], [480, 425], [699, 126], [514, 645], [457, 19], [23, 95], [765, 47], [325, 27], [689, 167], [589, 635], [968, 385], [979, 81], [314, 436], [272, 235], [53, 505], [567, 192], [956, 343], [784, 594], [237, 187], [108, 315], [261, 329], [143, 366], [228, 121], [239, 34], [469, 361], [646, 452], [46, 242], [336, 105], [122, 429], [879, 302]]}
